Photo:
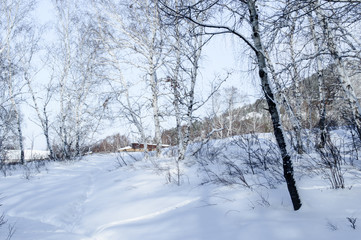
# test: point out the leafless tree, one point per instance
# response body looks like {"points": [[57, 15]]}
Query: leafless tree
{"points": [[75, 66], [329, 44], [132, 107], [142, 36], [235, 10], [15, 25], [332, 48], [186, 42]]}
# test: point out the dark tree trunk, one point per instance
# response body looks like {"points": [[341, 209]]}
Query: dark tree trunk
{"points": [[273, 108]]}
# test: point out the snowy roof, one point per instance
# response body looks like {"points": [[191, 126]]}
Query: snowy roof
{"points": [[124, 148]]}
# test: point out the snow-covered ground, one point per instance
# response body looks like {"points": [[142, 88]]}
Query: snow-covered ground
{"points": [[14, 155], [96, 199]]}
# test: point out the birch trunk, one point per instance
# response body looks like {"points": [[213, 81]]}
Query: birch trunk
{"points": [[198, 42], [64, 19], [341, 72], [178, 117], [77, 130], [46, 133], [12, 19], [297, 94], [175, 84], [63, 117], [20, 135], [296, 125], [156, 115], [18, 119], [153, 66], [194, 43], [15, 108], [44, 122], [273, 106], [190, 106], [321, 87]]}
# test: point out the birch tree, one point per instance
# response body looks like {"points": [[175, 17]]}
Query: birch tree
{"points": [[61, 61], [296, 79], [7, 118], [321, 84], [139, 22], [30, 71], [342, 76], [132, 108], [75, 68], [284, 41], [237, 10], [329, 25], [187, 42], [15, 24]]}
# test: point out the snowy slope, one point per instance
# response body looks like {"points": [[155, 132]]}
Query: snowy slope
{"points": [[96, 199]]}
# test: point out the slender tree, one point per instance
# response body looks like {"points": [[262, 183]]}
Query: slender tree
{"points": [[137, 25], [187, 41], [239, 9], [15, 25]]}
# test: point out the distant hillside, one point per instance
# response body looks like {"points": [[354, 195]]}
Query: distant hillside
{"points": [[254, 118]]}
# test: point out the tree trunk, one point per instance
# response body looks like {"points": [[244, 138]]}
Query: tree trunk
{"points": [[175, 84], [44, 122], [21, 141], [154, 87], [17, 115], [341, 72], [321, 88], [295, 122], [180, 136], [272, 107], [194, 74], [297, 94], [47, 138]]}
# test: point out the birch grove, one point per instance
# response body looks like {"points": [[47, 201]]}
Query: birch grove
{"points": [[137, 68]]}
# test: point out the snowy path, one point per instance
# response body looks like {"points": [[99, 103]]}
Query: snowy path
{"points": [[93, 200], [90, 199]]}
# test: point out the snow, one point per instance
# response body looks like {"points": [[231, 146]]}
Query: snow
{"points": [[252, 115], [97, 198], [124, 148], [14, 155]]}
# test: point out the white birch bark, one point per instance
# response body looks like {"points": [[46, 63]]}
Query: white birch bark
{"points": [[196, 55], [42, 116], [12, 19], [64, 32], [341, 72], [153, 79], [295, 123], [321, 85], [175, 85], [297, 118]]}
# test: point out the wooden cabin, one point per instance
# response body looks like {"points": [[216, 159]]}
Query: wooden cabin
{"points": [[139, 147]]}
